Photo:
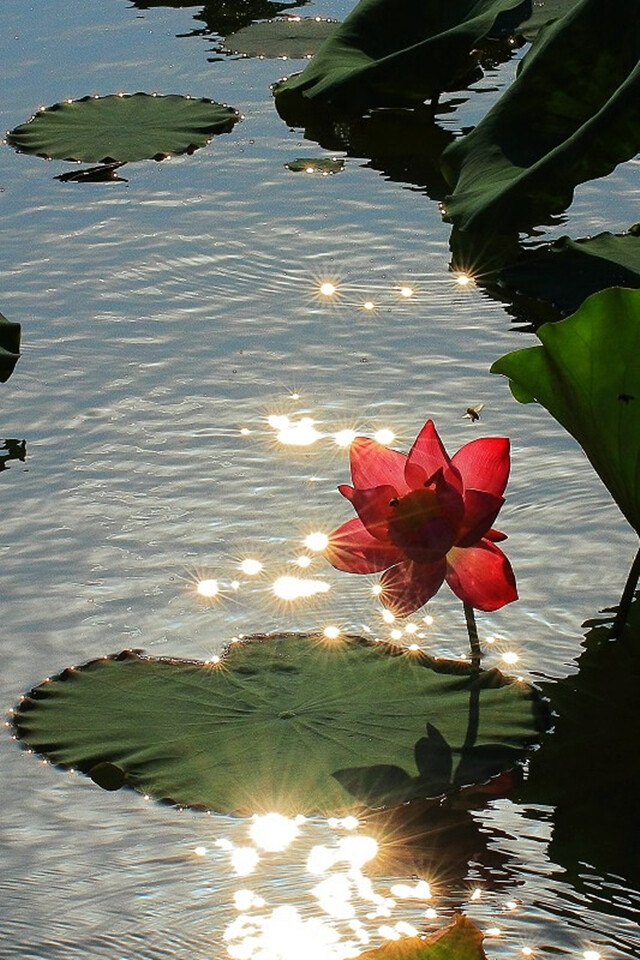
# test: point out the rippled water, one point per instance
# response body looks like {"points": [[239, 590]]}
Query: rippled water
{"points": [[164, 320]]}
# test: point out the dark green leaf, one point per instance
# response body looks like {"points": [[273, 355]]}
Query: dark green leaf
{"points": [[123, 128], [586, 373], [292, 723], [572, 114], [544, 12], [393, 52], [291, 37]]}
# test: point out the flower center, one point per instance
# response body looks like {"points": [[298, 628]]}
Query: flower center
{"points": [[411, 512]]}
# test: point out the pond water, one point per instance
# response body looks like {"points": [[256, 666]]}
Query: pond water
{"points": [[165, 321]]}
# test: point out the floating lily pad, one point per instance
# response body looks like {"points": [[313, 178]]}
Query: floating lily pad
{"points": [[9, 347], [291, 37], [586, 373], [323, 165], [122, 128], [572, 114], [393, 52], [292, 723]]}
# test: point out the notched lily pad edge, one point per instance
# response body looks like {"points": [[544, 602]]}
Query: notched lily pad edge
{"points": [[234, 117], [112, 777]]}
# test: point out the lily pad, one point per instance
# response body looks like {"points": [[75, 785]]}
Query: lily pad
{"points": [[572, 114], [459, 940], [290, 37], [586, 373], [9, 347], [323, 165], [123, 128], [292, 723], [393, 52]]}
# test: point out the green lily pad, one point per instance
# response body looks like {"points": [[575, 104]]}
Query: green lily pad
{"points": [[123, 128], [572, 114], [292, 723], [459, 940], [290, 37], [586, 373], [9, 347], [391, 53], [323, 165]]}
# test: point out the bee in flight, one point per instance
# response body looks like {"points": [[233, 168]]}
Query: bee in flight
{"points": [[473, 413]]}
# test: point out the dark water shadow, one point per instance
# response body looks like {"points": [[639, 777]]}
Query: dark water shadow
{"points": [[588, 767], [223, 17], [12, 450]]}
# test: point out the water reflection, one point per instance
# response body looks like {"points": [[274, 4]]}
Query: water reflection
{"points": [[12, 450], [588, 766], [223, 16]]}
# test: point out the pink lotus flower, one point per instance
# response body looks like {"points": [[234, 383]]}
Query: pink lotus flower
{"points": [[424, 518]]}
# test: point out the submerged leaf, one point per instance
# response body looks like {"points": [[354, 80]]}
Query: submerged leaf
{"points": [[288, 723], [459, 940], [323, 165], [290, 37], [122, 128], [394, 52], [9, 347], [586, 373], [572, 114]]}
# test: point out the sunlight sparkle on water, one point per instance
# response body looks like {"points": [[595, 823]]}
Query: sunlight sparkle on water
{"points": [[207, 589], [251, 567], [316, 541], [510, 657], [384, 436], [406, 292], [591, 955], [303, 562], [419, 891], [331, 633], [344, 438], [273, 832], [295, 588], [298, 433], [387, 616], [244, 860], [463, 279]]}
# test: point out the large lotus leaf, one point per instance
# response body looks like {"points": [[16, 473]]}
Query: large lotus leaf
{"points": [[459, 940], [586, 373], [393, 52], [290, 723], [9, 347], [564, 273], [137, 126], [572, 114], [291, 37]]}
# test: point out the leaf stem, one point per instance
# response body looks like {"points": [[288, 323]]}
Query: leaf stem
{"points": [[626, 599], [472, 630]]}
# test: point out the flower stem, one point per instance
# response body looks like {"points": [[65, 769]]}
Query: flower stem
{"points": [[472, 630], [626, 599]]}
